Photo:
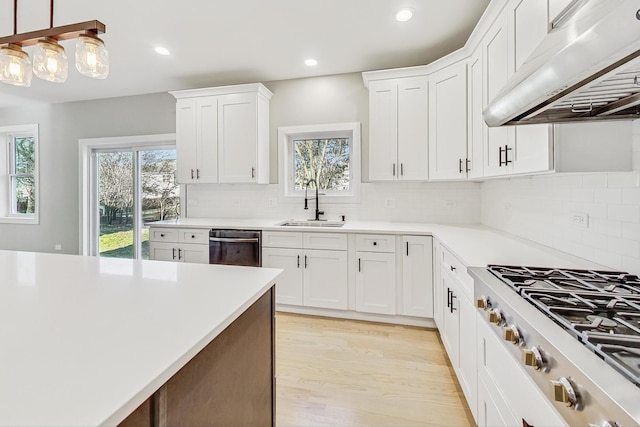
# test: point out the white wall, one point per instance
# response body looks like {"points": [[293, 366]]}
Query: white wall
{"points": [[61, 125]]}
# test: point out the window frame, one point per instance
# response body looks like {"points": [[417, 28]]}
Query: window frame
{"points": [[286, 175], [8, 201]]}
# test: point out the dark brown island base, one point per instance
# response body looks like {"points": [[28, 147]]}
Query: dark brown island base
{"points": [[231, 382]]}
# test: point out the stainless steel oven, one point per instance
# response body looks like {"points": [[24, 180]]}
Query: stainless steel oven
{"points": [[235, 247]]}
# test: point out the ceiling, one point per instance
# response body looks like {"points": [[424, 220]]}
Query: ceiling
{"points": [[219, 42]]}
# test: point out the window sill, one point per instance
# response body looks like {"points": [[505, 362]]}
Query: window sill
{"points": [[27, 220]]}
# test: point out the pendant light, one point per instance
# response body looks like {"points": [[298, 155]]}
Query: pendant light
{"points": [[50, 61], [92, 58], [15, 67]]}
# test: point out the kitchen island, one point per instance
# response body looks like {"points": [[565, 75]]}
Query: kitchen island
{"points": [[90, 341]]}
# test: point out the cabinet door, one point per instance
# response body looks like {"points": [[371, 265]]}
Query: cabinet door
{"points": [[468, 372], [491, 413], [438, 298], [448, 123], [186, 140], [412, 130], [533, 144], [198, 254], [495, 49], [376, 282], [237, 137], [325, 279], [207, 135], [161, 251], [417, 276], [383, 130], [289, 285], [477, 126], [450, 332]]}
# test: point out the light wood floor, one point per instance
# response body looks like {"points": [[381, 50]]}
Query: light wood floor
{"points": [[334, 372]]}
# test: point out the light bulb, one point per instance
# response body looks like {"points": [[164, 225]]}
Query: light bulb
{"points": [[92, 58], [50, 62], [15, 67], [404, 15]]}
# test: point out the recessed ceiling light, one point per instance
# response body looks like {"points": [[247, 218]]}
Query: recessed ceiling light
{"points": [[311, 62], [162, 51], [404, 15]]}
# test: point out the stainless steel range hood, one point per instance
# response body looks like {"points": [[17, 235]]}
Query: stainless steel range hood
{"points": [[587, 68]]}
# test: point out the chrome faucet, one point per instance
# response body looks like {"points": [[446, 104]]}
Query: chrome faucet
{"points": [[306, 199]]}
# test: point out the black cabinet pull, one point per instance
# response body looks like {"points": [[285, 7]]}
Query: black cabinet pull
{"points": [[191, 173], [306, 265], [161, 234], [467, 165], [174, 252], [359, 265], [452, 307], [407, 248], [506, 155], [452, 268], [500, 156], [394, 169], [253, 172], [298, 261], [198, 173], [449, 293], [402, 169], [179, 253], [375, 243], [460, 165]]}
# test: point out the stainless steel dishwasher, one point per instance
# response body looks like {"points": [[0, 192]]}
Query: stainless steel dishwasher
{"points": [[235, 247]]}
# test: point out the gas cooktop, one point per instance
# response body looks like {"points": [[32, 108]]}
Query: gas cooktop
{"points": [[599, 308]]}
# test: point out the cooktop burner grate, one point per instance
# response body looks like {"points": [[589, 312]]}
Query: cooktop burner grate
{"points": [[599, 308]]}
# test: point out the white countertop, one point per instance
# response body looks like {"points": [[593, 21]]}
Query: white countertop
{"points": [[476, 245], [85, 340]]}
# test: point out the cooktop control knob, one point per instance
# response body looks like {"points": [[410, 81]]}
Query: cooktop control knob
{"points": [[512, 333], [565, 391], [533, 357], [484, 303], [496, 316]]}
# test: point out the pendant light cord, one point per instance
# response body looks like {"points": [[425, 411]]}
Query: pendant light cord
{"points": [[50, 15], [15, 17]]}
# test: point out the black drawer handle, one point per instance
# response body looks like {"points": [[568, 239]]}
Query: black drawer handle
{"points": [[161, 234], [375, 243]]}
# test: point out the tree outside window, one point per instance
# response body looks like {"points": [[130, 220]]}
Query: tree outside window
{"points": [[325, 160], [22, 173]]}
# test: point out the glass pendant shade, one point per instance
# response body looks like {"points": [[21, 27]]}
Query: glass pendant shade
{"points": [[92, 58], [15, 67], [50, 62]]}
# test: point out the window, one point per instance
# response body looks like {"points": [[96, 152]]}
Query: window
{"points": [[324, 155], [19, 173]]}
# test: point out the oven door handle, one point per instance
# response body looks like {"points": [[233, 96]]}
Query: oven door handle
{"points": [[232, 240]]}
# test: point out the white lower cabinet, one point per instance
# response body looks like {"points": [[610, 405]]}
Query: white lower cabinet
{"points": [[289, 286], [417, 276], [458, 324], [315, 268], [179, 245], [325, 279], [376, 282]]}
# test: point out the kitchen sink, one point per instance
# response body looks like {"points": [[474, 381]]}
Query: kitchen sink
{"points": [[312, 223]]}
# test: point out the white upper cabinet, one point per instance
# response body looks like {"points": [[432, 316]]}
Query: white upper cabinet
{"points": [[495, 50], [533, 144], [398, 130], [197, 140], [448, 123], [509, 42], [222, 134], [476, 126]]}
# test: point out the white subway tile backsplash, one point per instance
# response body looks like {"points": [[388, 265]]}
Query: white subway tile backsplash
{"points": [[623, 213], [623, 179], [625, 247], [607, 196], [544, 214], [631, 196]]}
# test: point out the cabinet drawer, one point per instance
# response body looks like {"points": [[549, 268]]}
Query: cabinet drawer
{"points": [[458, 271], [334, 241], [281, 239], [163, 234], [198, 236], [375, 243]]}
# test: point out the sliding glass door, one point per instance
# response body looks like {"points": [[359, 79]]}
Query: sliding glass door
{"points": [[133, 186]]}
